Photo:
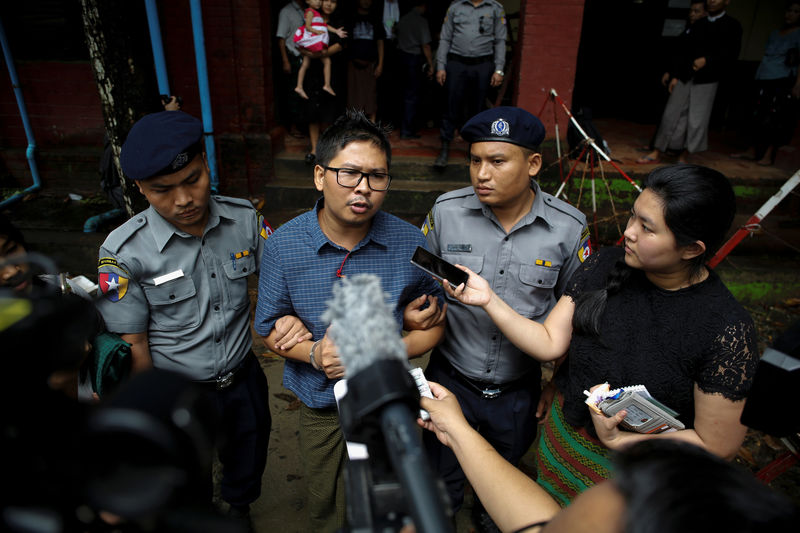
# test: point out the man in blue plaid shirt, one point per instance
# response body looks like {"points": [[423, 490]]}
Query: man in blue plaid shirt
{"points": [[345, 234]]}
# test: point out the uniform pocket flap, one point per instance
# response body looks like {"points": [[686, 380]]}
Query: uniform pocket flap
{"points": [[472, 262], [171, 292], [539, 276], [240, 268]]}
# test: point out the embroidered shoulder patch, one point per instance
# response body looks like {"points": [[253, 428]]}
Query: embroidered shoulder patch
{"points": [[111, 262], [265, 229], [113, 285], [585, 249], [428, 224]]}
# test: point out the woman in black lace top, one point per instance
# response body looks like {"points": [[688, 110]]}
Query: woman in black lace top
{"points": [[650, 314]]}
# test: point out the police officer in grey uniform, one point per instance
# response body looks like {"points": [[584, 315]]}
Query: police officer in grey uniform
{"points": [[471, 56], [175, 284], [526, 244]]}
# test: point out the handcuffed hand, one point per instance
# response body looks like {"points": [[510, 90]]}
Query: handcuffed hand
{"points": [[417, 318]]}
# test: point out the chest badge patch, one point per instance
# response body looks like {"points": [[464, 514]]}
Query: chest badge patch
{"points": [[238, 255], [113, 285], [542, 262]]}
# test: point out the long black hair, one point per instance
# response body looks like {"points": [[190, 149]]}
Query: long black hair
{"points": [[699, 205], [672, 486]]}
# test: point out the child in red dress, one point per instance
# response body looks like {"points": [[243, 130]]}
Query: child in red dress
{"points": [[313, 36]]}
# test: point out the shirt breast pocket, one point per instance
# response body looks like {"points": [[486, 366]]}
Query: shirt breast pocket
{"points": [[472, 262], [536, 289], [236, 282], [461, 19], [174, 306]]}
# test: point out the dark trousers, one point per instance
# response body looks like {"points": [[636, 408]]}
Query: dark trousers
{"points": [[774, 114], [289, 104], [245, 425], [411, 66], [466, 87], [507, 421]]}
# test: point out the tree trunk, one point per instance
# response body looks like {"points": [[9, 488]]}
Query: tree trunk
{"points": [[111, 30]]}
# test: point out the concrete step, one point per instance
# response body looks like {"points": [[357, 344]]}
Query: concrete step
{"points": [[404, 167], [408, 199]]}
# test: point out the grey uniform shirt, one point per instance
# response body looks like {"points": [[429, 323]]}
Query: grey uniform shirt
{"points": [[528, 268], [289, 19], [198, 322], [413, 33], [472, 31]]}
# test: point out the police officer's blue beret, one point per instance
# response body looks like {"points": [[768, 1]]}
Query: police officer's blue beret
{"points": [[505, 124], [161, 143]]}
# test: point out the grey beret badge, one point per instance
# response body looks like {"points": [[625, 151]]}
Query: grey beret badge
{"points": [[500, 128], [180, 161]]}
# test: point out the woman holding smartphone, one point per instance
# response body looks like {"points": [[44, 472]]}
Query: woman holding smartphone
{"points": [[650, 313]]}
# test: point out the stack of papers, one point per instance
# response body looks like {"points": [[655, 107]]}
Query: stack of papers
{"points": [[645, 414]]}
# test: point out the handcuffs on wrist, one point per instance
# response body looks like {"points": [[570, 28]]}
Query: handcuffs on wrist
{"points": [[314, 363]]}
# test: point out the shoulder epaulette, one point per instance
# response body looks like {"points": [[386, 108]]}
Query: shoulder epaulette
{"points": [[458, 193], [235, 201], [564, 207], [120, 236]]}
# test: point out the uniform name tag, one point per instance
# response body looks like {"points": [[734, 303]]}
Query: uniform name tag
{"points": [[168, 277], [466, 248]]}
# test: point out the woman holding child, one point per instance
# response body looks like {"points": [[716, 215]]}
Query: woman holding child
{"points": [[650, 313]]}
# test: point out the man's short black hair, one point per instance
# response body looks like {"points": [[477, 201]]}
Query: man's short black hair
{"points": [[350, 127]]}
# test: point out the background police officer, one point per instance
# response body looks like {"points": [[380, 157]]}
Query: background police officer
{"points": [[175, 283], [470, 57], [526, 244]]}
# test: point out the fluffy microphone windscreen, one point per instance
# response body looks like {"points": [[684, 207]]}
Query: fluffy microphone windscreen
{"points": [[362, 324]]}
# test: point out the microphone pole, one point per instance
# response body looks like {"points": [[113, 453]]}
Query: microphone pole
{"points": [[382, 400]]}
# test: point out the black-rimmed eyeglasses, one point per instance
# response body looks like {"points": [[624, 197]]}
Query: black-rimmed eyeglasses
{"points": [[350, 178]]}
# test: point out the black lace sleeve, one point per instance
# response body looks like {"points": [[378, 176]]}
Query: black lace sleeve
{"points": [[591, 275], [732, 363]]}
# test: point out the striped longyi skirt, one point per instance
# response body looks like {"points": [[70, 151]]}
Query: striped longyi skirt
{"points": [[569, 460]]}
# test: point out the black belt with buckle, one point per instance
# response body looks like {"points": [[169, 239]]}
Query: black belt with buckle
{"points": [[470, 60], [226, 379], [488, 391]]}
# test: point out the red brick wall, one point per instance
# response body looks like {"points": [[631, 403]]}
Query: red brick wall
{"points": [[62, 101], [547, 53], [64, 106], [237, 38], [235, 51]]}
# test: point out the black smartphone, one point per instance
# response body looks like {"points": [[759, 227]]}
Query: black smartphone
{"points": [[438, 267]]}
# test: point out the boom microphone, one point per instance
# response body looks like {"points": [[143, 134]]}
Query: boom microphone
{"points": [[380, 409], [362, 325]]}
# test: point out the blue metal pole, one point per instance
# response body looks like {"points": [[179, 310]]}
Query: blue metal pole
{"points": [[158, 48], [23, 111], [93, 223], [205, 93]]}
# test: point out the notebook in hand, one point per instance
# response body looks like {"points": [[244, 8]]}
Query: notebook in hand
{"points": [[645, 414]]}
